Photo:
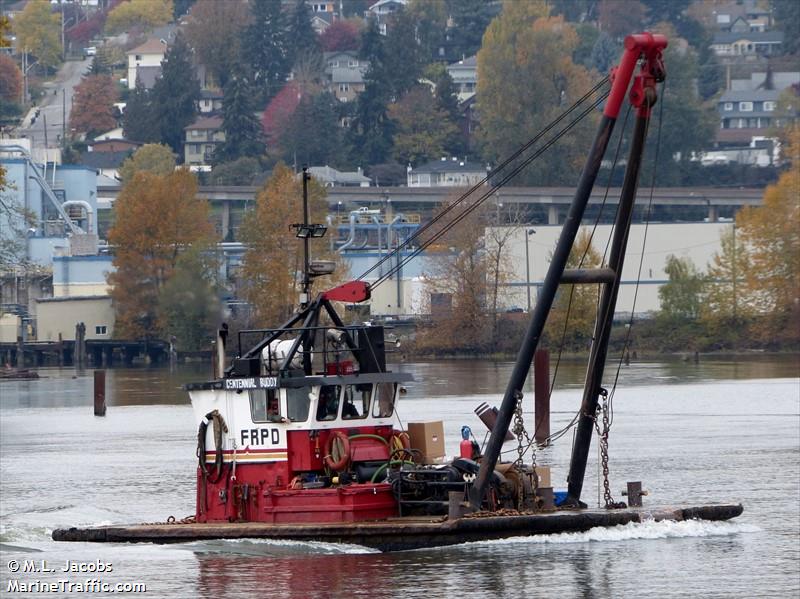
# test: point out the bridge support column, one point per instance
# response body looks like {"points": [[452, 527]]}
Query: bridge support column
{"points": [[552, 215]]}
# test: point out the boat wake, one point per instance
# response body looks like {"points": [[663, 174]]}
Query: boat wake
{"points": [[665, 529], [274, 547]]}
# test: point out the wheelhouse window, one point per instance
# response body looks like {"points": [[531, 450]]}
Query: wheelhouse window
{"points": [[356, 401], [297, 404], [383, 405], [265, 405], [328, 403]]}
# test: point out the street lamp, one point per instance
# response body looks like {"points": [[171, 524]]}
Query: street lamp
{"points": [[528, 233]]}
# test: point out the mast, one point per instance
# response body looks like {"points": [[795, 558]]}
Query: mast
{"points": [[650, 46], [306, 274]]}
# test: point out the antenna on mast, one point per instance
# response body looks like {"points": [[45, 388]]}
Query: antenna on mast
{"points": [[306, 231]]}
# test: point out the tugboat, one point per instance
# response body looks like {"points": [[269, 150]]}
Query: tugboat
{"points": [[296, 437]]}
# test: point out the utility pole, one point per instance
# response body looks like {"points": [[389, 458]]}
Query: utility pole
{"points": [[64, 117]]}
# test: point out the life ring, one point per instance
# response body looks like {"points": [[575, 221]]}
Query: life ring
{"points": [[342, 448]]}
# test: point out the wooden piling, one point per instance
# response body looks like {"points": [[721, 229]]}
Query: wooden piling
{"points": [[99, 392], [541, 394]]}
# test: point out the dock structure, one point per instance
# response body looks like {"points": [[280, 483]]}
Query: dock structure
{"points": [[83, 352], [400, 534]]}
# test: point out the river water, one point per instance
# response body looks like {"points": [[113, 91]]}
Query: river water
{"points": [[714, 431]]}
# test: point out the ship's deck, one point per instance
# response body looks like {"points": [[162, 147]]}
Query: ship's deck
{"points": [[398, 534]]}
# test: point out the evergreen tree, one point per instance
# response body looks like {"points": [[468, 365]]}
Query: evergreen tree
{"points": [[471, 17], [402, 64], [243, 133], [370, 134], [265, 48], [372, 45], [175, 95], [318, 145], [302, 38], [447, 102], [138, 120]]}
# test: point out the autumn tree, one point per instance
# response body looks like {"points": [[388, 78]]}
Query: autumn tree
{"points": [[573, 315], [157, 218], [214, 32], [10, 79], [278, 112], [458, 270], [175, 94], [142, 15], [38, 32], [93, 105], [423, 129], [619, 18], [526, 78], [152, 158], [341, 35], [272, 268], [727, 304], [770, 235], [10, 89]]}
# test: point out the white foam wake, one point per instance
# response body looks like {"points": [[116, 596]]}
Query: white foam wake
{"points": [[275, 546], [665, 529]]}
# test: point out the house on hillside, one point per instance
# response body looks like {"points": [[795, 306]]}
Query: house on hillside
{"points": [[454, 172], [344, 73], [464, 74], [747, 45], [210, 101], [201, 139], [383, 10], [144, 62], [735, 15], [106, 163], [113, 145]]}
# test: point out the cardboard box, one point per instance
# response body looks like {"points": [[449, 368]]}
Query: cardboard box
{"points": [[544, 476], [428, 438]]}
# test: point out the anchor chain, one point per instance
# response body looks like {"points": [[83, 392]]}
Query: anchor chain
{"points": [[603, 436], [522, 434]]}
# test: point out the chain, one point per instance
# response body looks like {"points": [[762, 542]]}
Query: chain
{"points": [[519, 431], [603, 435], [523, 442]]}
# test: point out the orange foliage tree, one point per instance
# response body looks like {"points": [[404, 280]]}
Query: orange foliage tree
{"points": [[10, 79], [770, 236], [93, 105], [273, 263], [157, 217]]}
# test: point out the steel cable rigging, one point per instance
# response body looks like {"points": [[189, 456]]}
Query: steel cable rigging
{"points": [[496, 171], [470, 208]]}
